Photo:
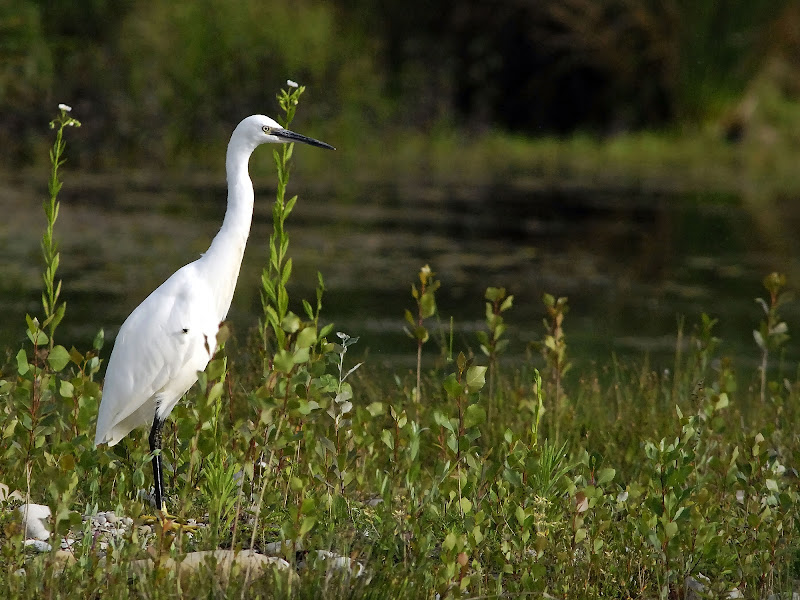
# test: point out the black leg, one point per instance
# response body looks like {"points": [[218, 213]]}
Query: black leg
{"points": [[158, 473]]}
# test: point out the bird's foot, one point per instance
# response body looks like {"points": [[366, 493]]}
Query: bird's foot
{"points": [[162, 521]]}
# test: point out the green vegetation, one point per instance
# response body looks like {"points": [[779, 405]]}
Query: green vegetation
{"points": [[677, 90], [469, 478]]}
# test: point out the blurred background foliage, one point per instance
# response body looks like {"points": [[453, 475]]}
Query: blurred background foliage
{"points": [[154, 80]]}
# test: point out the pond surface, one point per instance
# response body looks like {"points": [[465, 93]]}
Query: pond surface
{"points": [[632, 261]]}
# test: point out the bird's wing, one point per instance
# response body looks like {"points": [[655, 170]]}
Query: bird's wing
{"points": [[158, 351]]}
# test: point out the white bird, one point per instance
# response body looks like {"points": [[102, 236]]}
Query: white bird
{"points": [[172, 335]]}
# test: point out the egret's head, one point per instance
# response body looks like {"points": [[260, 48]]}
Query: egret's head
{"points": [[259, 129]]}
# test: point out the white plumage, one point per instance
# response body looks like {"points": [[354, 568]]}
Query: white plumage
{"points": [[171, 336], [160, 348]]}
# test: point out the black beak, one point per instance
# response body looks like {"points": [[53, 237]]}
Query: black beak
{"points": [[291, 136]]}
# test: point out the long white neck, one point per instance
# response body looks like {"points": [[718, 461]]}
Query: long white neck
{"points": [[222, 261]]}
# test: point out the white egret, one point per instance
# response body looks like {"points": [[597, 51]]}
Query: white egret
{"points": [[172, 335]]}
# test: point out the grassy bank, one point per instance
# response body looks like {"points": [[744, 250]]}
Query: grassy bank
{"points": [[471, 478]]}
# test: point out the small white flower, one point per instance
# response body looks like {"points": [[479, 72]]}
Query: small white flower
{"points": [[65, 107], [291, 83], [622, 496]]}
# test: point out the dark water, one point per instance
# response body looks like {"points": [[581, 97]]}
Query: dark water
{"points": [[631, 260]]}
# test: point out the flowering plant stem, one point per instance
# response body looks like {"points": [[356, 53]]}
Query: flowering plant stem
{"points": [[53, 311]]}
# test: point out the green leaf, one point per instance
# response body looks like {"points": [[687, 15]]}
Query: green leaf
{"points": [[421, 334], [474, 415], [8, 430], [291, 323], [37, 337], [306, 407], [345, 395], [477, 535], [671, 529], [22, 362], [301, 356], [466, 505], [66, 389], [461, 361], [387, 438], [494, 294], [287, 271], [67, 462], [216, 391], [296, 484], [306, 338], [605, 475], [449, 541], [476, 378], [452, 387], [283, 361], [59, 314], [308, 524], [289, 206], [99, 339], [215, 369], [75, 356], [375, 409], [442, 421], [308, 310], [58, 358], [325, 331], [427, 304]]}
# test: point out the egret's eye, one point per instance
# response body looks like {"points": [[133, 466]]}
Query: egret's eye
{"points": [[266, 129]]}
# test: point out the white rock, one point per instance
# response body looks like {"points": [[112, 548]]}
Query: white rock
{"points": [[339, 562], [279, 548], [244, 561], [34, 517], [38, 545], [101, 519], [67, 543]]}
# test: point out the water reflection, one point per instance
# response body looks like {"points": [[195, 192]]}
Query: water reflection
{"points": [[631, 261]]}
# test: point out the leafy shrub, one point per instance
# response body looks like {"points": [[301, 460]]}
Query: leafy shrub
{"points": [[643, 483]]}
